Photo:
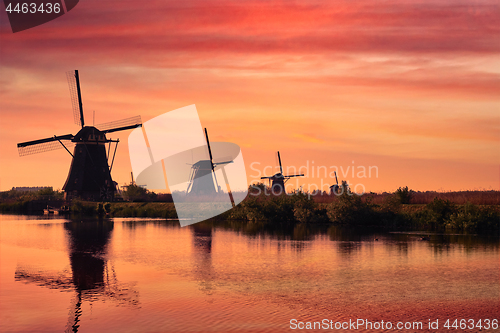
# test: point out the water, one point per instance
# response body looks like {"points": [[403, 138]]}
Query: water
{"points": [[139, 275]]}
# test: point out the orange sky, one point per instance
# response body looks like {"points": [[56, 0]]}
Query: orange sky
{"points": [[411, 87]]}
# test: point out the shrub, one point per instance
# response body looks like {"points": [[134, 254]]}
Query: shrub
{"points": [[137, 193], [471, 218], [284, 208], [350, 209], [404, 195], [440, 210], [100, 208], [82, 208], [304, 210]]}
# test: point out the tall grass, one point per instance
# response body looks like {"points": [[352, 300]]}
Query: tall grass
{"points": [[457, 197], [124, 209]]}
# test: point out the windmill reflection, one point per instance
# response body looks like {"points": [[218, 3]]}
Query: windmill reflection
{"points": [[202, 256], [92, 276]]}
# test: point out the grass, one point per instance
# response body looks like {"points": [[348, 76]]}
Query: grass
{"points": [[457, 197], [124, 209]]}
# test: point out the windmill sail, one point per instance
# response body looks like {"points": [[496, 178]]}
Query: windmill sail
{"points": [[279, 159], [43, 145], [120, 125], [76, 97], [209, 150]]}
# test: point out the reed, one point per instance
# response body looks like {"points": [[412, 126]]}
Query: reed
{"points": [[416, 197]]}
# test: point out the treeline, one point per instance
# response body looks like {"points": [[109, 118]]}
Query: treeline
{"points": [[417, 197], [392, 211], [46, 193], [350, 209]]}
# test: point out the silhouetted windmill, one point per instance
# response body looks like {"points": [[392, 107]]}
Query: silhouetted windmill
{"points": [[202, 179], [90, 173], [279, 179], [336, 189]]}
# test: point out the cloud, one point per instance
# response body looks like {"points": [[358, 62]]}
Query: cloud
{"points": [[308, 138], [140, 33], [392, 78]]}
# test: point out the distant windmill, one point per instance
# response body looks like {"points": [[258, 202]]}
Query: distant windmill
{"points": [[202, 179], [90, 173], [335, 189], [279, 179]]}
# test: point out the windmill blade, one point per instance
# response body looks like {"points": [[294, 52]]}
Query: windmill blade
{"points": [[290, 176], [267, 177], [76, 96], [336, 180], [218, 163], [209, 150], [279, 159], [120, 125], [60, 281], [43, 145], [211, 160], [228, 187]]}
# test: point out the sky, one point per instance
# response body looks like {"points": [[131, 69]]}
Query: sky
{"points": [[407, 89]]}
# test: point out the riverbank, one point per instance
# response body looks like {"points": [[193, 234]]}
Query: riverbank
{"points": [[347, 209], [355, 211]]}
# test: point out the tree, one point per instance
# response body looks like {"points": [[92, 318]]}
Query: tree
{"points": [[133, 192], [404, 194]]}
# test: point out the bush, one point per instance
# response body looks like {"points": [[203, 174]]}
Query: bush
{"points": [[283, 209], [350, 209], [100, 208], [136, 193], [83, 208], [404, 195], [471, 218], [440, 210], [304, 210]]}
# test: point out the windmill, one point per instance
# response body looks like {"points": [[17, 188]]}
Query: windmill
{"points": [[279, 179], [335, 189], [202, 179], [89, 176]]}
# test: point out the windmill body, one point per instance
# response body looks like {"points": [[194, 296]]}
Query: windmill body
{"points": [[89, 176], [279, 180], [202, 178], [202, 182]]}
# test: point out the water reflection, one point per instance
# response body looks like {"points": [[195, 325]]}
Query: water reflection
{"points": [[203, 269], [254, 276], [92, 276]]}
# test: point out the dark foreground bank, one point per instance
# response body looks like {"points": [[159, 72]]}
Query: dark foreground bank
{"points": [[347, 209]]}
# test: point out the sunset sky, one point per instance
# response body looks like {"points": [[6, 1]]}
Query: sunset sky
{"points": [[410, 87]]}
